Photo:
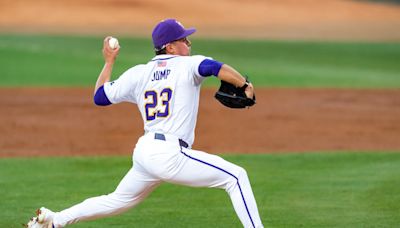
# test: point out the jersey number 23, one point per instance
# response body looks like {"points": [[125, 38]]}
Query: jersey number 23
{"points": [[157, 104]]}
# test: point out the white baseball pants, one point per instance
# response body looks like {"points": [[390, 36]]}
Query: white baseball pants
{"points": [[156, 161]]}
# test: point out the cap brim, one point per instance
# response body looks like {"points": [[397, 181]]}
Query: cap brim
{"points": [[187, 33]]}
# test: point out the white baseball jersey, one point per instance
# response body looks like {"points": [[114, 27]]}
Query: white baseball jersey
{"points": [[166, 90]]}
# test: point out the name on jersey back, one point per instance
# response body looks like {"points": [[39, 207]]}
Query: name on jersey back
{"points": [[160, 74]]}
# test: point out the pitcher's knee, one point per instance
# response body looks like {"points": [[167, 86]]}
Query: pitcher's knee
{"points": [[233, 180], [241, 172]]}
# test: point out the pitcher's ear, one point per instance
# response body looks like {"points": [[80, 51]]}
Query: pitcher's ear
{"points": [[170, 48]]}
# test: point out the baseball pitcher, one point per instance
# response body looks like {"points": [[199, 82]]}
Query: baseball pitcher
{"points": [[166, 91]]}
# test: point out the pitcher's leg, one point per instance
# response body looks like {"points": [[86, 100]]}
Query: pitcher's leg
{"points": [[132, 189], [201, 169], [242, 190]]}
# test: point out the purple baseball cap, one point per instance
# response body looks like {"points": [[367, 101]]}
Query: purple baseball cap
{"points": [[169, 30]]}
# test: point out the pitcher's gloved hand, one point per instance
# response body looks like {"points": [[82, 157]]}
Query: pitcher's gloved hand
{"points": [[234, 97]]}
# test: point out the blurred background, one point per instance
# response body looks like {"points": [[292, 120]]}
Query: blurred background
{"points": [[272, 19]]}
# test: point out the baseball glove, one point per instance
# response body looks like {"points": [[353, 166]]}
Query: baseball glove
{"points": [[234, 97]]}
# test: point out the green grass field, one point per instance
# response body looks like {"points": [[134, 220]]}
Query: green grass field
{"points": [[76, 61], [292, 190]]}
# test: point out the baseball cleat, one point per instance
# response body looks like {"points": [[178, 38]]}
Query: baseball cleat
{"points": [[31, 223], [44, 219]]}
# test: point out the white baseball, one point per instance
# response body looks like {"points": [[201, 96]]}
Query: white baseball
{"points": [[113, 42]]}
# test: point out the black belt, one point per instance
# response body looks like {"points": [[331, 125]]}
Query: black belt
{"points": [[160, 136]]}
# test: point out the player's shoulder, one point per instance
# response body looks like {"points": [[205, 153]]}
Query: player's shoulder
{"points": [[199, 56], [139, 67], [133, 73], [135, 70], [194, 58]]}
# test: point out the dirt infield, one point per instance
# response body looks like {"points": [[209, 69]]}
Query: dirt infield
{"points": [[66, 122], [274, 19]]}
